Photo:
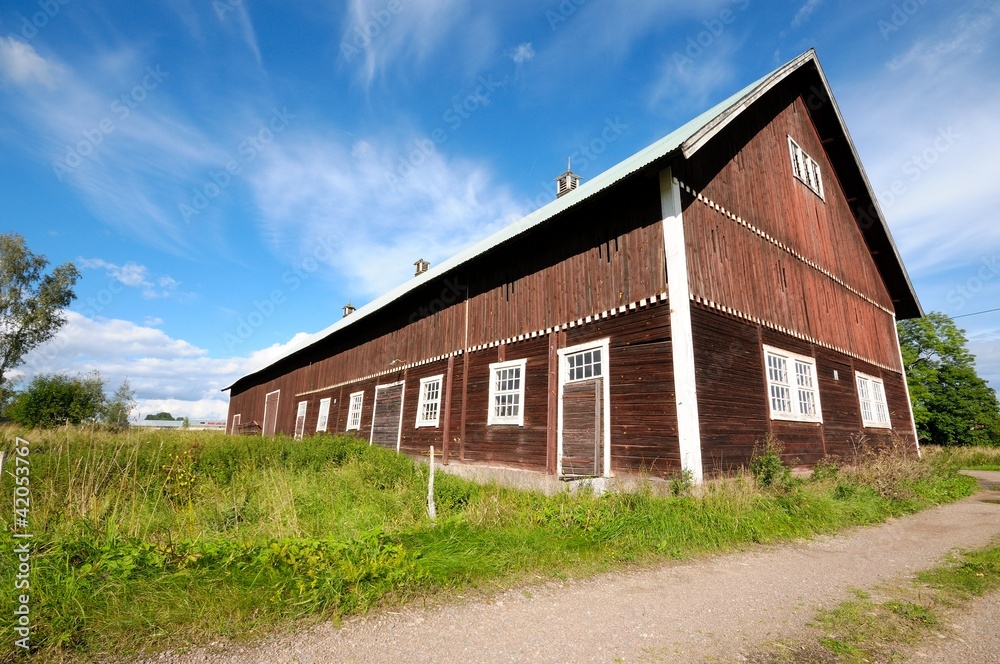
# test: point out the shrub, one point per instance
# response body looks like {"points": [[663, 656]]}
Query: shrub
{"points": [[766, 465], [825, 469], [682, 483]]}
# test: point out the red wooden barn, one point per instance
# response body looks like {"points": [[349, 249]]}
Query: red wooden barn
{"points": [[735, 278]]}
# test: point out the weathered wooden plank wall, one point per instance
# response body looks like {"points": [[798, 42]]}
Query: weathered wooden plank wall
{"points": [[643, 408], [747, 171], [603, 254], [733, 399]]}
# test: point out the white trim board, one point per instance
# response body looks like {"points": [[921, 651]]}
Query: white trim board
{"points": [[681, 329], [906, 388]]}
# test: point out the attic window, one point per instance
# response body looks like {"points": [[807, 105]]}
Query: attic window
{"points": [[805, 168]]}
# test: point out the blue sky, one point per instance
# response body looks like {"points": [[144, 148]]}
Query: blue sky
{"points": [[228, 174]]}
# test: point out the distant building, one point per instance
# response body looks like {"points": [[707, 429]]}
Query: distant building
{"points": [[158, 424], [207, 424], [734, 279]]}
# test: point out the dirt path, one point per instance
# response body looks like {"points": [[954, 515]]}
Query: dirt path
{"points": [[714, 608]]}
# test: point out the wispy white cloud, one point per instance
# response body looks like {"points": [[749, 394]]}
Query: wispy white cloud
{"points": [[601, 31], [20, 64], [135, 275], [522, 53], [922, 147], [163, 370], [379, 204], [696, 82], [110, 132], [971, 33], [805, 12], [376, 38], [236, 14]]}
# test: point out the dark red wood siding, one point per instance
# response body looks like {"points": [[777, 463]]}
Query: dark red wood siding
{"points": [[732, 396], [747, 171]]}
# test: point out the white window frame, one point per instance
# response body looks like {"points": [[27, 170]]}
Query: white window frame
{"points": [[423, 401], [805, 168], [492, 418], [564, 354], [236, 422], [575, 351], [301, 411], [323, 419], [871, 391], [791, 383], [354, 411]]}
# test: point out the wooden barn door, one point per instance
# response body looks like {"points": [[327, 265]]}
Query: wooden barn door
{"points": [[582, 432], [270, 413], [387, 418], [583, 411]]}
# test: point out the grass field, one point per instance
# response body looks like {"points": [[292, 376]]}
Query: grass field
{"points": [[971, 458], [150, 540]]}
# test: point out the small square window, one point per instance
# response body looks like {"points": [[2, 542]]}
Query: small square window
{"points": [[429, 403], [584, 365], [805, 168], [792, 390], [507, 393], [871, 395], [354, 411]]}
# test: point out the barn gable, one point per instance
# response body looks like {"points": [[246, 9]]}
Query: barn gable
{"points": [[629, 324]]}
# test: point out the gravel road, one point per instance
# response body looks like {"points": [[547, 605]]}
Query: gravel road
{"points": [[713, 608]]}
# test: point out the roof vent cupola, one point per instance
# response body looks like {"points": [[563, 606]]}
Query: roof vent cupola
{"points": [[567, 182], [422, 266], [349, 309]]}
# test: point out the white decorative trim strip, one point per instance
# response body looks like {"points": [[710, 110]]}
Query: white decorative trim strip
{"points": [[753, 229], [593, 318], [792, 333]]}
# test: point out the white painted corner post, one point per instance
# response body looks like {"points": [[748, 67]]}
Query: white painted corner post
{"points": [[681, 333], [906, 387]]}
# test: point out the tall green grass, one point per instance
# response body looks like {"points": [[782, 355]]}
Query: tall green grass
{"points": [[971, 457], [147, 540]]}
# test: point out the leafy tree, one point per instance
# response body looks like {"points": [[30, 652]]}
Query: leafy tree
{"points": [[54, 399], [31, 302], [162, 415], [116, 411], [952, 405]]}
